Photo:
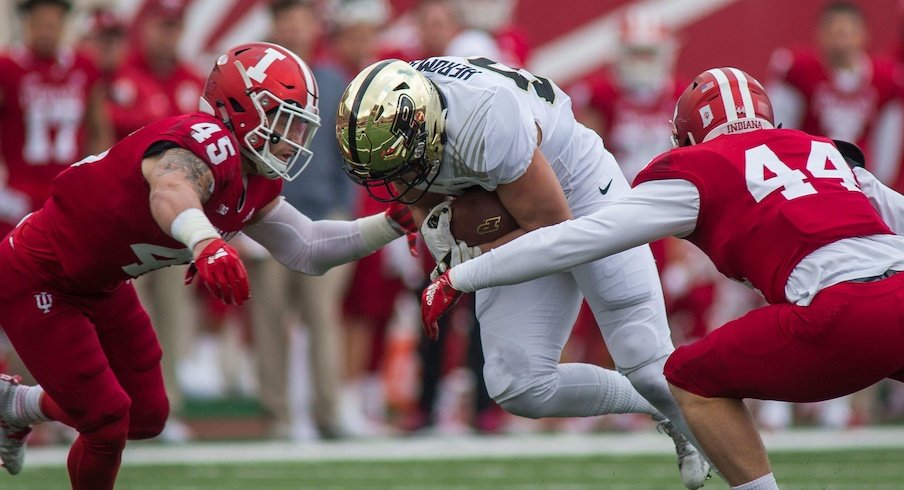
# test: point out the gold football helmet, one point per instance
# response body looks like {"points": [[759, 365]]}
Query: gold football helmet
{"points": [[390, 127]]}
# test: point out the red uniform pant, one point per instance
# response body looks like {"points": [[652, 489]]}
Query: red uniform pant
{"points": [[96, 356], [850, 337]]}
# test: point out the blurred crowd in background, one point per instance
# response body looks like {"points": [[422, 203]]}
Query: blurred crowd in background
{"points": [[342, 355]]}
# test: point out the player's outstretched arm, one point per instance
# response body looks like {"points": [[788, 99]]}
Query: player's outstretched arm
{"points": [[180, 183], [313, 247], [650, 211]]}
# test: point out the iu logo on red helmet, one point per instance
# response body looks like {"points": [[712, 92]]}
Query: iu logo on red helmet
{"points": [[268, 96], [720, 101]]}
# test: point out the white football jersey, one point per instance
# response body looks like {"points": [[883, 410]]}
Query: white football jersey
{"points": [[495, 115]]}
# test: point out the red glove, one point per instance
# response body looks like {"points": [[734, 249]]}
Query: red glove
{"points": [[438, 298], [401, 219], [222, 272]]}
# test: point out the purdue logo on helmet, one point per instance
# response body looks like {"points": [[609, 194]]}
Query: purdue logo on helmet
{"points": [[390, 126]]}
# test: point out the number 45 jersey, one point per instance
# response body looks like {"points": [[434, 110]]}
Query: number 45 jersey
{"points": [[97, 230], [767, 200]]}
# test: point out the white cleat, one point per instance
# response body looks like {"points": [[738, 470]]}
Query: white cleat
{"points": [[12, 436], [693, 466]]}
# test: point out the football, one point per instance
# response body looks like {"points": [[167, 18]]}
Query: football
{"points": [[478, 216]]}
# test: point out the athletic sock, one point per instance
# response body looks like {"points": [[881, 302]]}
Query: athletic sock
{"points": [[765, 482], [26, 406]]}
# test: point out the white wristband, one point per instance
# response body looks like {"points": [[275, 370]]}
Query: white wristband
{"points": [[192, 226]]}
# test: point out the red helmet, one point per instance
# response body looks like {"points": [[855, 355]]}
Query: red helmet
{"points": [[720, 101], [266, 95]]}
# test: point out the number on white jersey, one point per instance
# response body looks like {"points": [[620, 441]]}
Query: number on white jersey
{"points": [[217, 152], [542, 86], [152, 257], [793, 182]]}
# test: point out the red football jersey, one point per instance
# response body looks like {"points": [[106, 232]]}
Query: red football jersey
{"points": [[768, 199], [42, 115], [97, 229], [830, 110]]}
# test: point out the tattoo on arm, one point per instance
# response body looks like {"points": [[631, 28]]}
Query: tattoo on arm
{"points": [[196, 172]]}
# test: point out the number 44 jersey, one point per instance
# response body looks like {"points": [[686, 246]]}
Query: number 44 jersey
{"points": [[767, 200], [97, 230]]}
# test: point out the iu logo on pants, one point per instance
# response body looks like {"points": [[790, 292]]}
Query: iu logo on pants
{"points": [[44, 301]]}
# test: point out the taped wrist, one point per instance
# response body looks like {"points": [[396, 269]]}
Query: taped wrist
{"points": [[192, 226]]}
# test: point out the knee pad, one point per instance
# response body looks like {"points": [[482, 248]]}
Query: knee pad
{"points": [[149, 421], [106, 411], [505, 370], [621, 281], [635, 344], [529, 403], [513, 382], [109, 430]]}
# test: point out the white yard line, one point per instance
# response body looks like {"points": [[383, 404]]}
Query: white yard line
{"points": [[462, 447]]}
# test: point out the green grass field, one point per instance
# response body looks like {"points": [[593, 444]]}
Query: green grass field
{"points": [[873, 469]]}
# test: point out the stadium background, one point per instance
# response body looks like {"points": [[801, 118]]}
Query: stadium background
{"points": [[569, 40]]}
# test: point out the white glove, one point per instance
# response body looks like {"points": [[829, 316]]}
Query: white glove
{"points": [[446, 250], [459, 253]]}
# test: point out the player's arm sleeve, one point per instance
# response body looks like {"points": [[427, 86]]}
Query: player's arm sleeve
{"points": [[650, 211], [314, 247], [888, 203]]}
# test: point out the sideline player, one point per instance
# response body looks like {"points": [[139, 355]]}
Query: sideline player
{"points": [[435, 127], [779, 209], [52, 109], [841, 91], [172, 192]]}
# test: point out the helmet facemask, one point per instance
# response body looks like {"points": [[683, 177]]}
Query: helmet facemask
{"points": [[267, 96], [391, 131], [402, 183], [281, 122]]}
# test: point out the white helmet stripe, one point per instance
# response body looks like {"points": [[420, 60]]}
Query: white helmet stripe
{"points": [[744, 88], [725, 91]]}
